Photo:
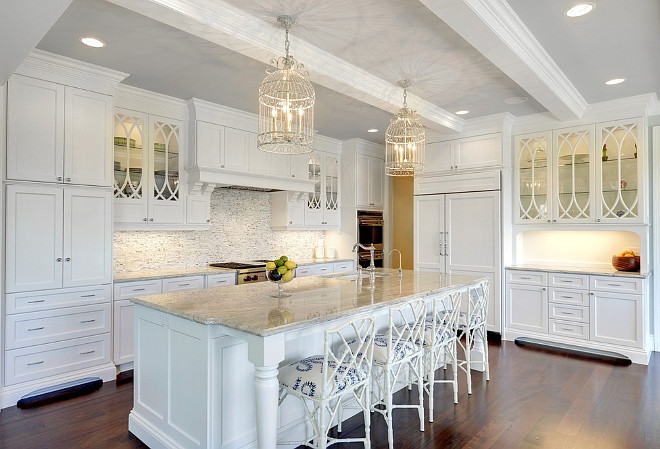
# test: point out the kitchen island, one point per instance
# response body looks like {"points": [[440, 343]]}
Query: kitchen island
{"points": [[206, 361]]}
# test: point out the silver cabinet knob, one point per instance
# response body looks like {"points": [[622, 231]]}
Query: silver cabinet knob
{"points": [[208, 220], [222, 166], [68, 259], [543, 289], [144, 219], [151, 219], [293, 176], [67, 179], [59, 259], [59, 178]]}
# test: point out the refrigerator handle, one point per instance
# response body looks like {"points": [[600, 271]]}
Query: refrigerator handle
{"points": [[440, 243], [446, 240]]}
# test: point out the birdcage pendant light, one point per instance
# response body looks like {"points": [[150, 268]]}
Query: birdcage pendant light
{"points": [[286, 104], [405, 141]]}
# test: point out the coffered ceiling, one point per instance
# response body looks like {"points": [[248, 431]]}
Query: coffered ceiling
{"points": [[460, 54]]}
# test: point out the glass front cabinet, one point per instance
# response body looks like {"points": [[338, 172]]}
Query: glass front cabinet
{"points": [[583, 174], [147, 164], [322, 205]]}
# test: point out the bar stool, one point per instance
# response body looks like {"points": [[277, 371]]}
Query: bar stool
{"points": [[471, 326], [440, 343], [396, 352], [321, 381]]}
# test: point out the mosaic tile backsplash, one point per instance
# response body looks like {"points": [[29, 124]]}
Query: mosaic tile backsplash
{"points": [[240, 230]]}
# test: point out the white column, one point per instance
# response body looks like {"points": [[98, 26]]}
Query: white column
{"points": [[266, 399]]}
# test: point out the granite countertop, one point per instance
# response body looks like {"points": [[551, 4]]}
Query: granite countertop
{"points": [[313, 299], [143, 275], [586, 269]]}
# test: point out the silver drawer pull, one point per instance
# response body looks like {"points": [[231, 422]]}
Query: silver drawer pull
{"points": [[566, 313], [139, 289], [87, 352], [88, 296], [184, 285], [36, 300], [36, 329], [566, 297], [567, 329], [87, 321], [614, 285], [527, 278], [36, 363], [565, 281]]}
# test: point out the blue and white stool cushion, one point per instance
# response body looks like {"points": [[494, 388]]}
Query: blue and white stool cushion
{"points": [[462, 320], [306, 376], [402, 348]]}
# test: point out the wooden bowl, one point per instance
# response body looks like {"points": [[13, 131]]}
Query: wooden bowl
{"points": [[626, 263]]}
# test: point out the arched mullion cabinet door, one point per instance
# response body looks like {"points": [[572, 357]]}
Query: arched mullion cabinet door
{"points": [[131, 166], [166, 147], [314, 204], [574, 175], [533, 178], [620, 171], [331, 190]]}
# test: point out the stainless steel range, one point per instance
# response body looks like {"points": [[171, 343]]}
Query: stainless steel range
{"points": [[248, 272]]}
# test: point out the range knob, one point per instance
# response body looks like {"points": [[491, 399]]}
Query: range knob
{"points": [[255, 277], [246, 279]]}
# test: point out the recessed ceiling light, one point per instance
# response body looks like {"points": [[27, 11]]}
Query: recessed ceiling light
{"points": [[580, 9], [372, 130], [92, 42], [463, 112], [516, 100], [614, 81]]}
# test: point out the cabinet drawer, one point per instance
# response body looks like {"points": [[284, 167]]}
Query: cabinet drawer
{"points": [[29, 329], [574, 297], [322, 268], [570, 329], [304, 271], [35, 362], [182, 284], [53, 299], [220, 280], [527, 277], [128, 290], [569, 313], [339, 267], [617, 284], [569, 280]]}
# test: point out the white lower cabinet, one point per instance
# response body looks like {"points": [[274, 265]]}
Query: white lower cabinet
{"points": [[340, 267], [123, 345], [597, 311]]}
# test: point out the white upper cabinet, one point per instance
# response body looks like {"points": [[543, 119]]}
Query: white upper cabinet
{"points": [[322, 208], [468, 153], [147, 165], [57, 237], [584, 174], [58, 133], [369, 182], [234, 152]]}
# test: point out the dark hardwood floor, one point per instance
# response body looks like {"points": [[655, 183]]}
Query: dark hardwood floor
{"points": [[534, 399]]}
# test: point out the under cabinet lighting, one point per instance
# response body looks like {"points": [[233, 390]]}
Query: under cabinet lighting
{"points": [[92, 42], [463, 112], [580, 9], [614, 81]]}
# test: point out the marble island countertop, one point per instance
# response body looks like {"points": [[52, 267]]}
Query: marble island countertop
{"points": [[313, 299], [586, 269], [143, 275]]}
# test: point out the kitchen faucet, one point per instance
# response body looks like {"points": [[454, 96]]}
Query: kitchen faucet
{"points": [[371, 249], [400, 270]]}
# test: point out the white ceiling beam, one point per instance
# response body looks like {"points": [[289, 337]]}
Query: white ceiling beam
{"points": [[232, 28], [495, 30], [22, 25]]}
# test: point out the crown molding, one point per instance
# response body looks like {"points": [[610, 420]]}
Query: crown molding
{"points": [[70, 72], [494, 29], [222, 115], [364, 147], [142, 100], [230, 27]]}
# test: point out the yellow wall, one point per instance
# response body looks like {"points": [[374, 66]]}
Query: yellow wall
{"points": [[402, 221]]}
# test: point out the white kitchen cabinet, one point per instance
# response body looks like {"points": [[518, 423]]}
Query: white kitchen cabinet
{"points": [[148, 161], [564, 176], [343, 266], [57, 237], [287, 210], [323, 204], [234, 152], [594, 311], [459, 233], [220, 280], [183, 283], [54, 299], [370, 171], [470, 153], [58, 133], [198, 209]]}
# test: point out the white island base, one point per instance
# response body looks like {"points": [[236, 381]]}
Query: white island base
{"points": [[211, 385]]}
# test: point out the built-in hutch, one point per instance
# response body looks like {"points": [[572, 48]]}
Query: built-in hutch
{"points": [[57, 318]]}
